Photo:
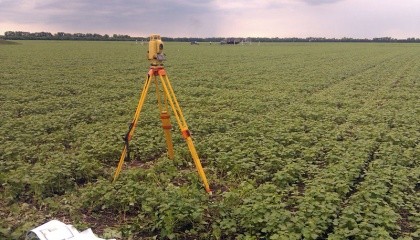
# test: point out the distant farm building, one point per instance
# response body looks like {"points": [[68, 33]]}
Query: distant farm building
{"points": [[235, 41]]}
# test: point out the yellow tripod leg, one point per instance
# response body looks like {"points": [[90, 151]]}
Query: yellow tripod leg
{"points": [[167, 87], [166, 125], [133, 124], [197, 162], [166, 120]]}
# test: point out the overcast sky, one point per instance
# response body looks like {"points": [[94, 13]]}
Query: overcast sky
{"points": [[216, 18]]}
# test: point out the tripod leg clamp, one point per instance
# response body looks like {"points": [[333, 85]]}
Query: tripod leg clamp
{"points": [[186, 133]]}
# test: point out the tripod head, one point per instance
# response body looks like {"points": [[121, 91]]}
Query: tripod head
{"points": [[155, 53]]}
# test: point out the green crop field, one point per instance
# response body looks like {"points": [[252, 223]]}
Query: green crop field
{"points": [[298, 140]]}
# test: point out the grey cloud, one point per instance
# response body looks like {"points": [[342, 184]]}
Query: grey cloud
{"points": [[206, 18], [113, 16]]}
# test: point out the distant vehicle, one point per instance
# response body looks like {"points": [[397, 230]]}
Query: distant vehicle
{"points": [[194, 43]]}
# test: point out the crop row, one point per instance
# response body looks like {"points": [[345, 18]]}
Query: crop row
{"points": [[308, 141]]}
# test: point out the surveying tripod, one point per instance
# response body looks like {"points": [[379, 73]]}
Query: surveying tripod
{"points": [[158, 76]]}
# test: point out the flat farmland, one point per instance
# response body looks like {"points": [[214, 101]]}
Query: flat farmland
{"points": [[298, 140]]}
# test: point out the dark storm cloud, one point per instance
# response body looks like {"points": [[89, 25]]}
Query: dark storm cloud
{"points": [[115, 16]]}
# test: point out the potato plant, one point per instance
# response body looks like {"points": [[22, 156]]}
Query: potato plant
{"points": [[298, 140]]}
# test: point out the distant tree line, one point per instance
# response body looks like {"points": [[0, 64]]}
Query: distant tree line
{"points": [[19, 35]]}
